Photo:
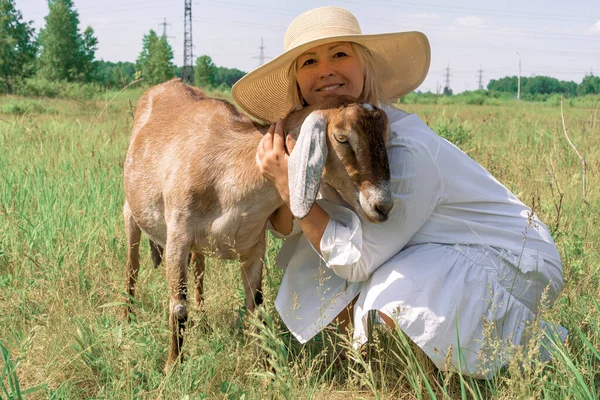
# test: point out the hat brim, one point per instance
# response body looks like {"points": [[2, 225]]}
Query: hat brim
{"points": [[402, 59]]}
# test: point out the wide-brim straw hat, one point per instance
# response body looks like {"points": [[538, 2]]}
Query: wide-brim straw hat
{"points": [[401, 58]]}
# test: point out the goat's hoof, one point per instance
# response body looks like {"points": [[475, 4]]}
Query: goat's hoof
{"points": [[173, 363], [180, 313], [170, 367]]}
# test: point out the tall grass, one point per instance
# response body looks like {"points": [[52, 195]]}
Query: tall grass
{"points": [[62, 257]]}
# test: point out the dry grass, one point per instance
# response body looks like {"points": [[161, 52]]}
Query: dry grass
{"points": [[62, 256]]}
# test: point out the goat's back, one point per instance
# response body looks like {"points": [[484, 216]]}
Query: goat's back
{"points": [[192, 157]]}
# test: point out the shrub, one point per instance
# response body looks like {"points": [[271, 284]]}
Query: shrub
{"points": [[38, 87], [26, 106]]}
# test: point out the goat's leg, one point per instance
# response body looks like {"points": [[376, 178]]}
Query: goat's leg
{"points": [[252, 265], [132, 267], [198, 270], [157, 253], [177, 253]]}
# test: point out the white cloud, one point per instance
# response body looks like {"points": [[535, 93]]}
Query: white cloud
{"points": [[594, 30], [469, 22]]}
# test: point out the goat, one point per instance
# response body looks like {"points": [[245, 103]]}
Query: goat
{"points": [[192, 183]]}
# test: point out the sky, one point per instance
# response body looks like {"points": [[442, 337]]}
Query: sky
{"points": [[472, 41]]}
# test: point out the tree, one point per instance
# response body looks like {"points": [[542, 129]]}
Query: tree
{"points": [[227, 76], [114, 75], [205, 72], [155, 62], [17, 45], [66, 54], [507, 84], [88, 47], [589, 85]]}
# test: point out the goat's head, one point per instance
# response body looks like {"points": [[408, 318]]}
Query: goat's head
{"points": [[343, 142]]}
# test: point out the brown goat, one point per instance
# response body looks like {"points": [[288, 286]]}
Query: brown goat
{"points": [[192, 183]]}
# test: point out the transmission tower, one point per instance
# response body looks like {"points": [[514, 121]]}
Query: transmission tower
{"points": [[480, 78], [261, 57], [187, 74], [447, 89], [164, 25]]}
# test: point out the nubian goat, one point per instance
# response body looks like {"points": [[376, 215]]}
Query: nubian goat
{"points": [[192, 183]]}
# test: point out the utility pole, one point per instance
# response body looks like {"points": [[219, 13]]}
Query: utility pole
{"points": [[261, 57], [519, 79], [480, 78], [187, 74]]}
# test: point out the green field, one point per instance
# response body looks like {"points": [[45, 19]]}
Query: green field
{"points": [[62, 258]]}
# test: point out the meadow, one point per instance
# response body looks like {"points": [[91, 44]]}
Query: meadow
{"points": [[62, 258]]}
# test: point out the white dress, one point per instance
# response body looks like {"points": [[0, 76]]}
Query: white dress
{"points": [[458, 249]]}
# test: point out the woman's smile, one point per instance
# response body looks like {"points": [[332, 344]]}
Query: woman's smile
{"points": [[329, 69]]}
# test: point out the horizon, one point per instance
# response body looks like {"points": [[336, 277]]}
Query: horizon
{"points": [[470, 42]]}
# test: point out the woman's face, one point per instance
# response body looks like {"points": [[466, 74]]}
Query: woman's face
{"points": [[331, 69]]}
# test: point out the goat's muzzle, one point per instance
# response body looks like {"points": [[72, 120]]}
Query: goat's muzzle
{"points": [[377, 202]]}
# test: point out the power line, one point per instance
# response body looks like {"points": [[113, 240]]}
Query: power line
{"points": [[447, 87], [480, 78]]}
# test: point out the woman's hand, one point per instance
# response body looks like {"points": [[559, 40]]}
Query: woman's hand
{"points": [[272, 160]]}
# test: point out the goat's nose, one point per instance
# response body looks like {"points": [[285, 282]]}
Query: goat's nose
{"points": [[383, 208]]}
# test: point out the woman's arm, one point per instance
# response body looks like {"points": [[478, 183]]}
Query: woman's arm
{"points": [[272, 162], [282, 220], [352, 247]]}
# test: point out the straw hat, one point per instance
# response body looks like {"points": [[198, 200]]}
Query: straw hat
{"points": [[402, 59]]}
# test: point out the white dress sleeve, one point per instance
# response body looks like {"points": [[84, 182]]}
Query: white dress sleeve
{"points": [[354, 248]]}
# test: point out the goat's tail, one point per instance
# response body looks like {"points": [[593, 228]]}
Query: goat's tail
{"points": [[157, 253]]}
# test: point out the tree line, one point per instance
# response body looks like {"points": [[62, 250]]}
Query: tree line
{"points": [[541, 85], [62, 53]]}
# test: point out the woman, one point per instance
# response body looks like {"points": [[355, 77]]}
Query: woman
{"points": [[460, 259]]}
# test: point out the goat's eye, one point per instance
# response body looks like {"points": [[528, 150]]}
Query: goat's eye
{"points": [[341, 138]]}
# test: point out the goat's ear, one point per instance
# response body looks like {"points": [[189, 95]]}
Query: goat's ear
{"points": [[306, 163]]}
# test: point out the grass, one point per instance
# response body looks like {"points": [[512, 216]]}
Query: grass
{"points": [[62, 257]]}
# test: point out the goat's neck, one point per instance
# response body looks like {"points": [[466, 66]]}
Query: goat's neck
{"points": [[245, 161]]}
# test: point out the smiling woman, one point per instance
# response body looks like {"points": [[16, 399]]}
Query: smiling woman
{"points": [[371, 83], [460, 264], [329, 70]]}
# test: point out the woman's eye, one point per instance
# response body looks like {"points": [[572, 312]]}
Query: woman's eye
{"points": [[308, 62], [340, 54]]}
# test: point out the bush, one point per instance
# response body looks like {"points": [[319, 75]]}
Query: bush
{"points": [[451, 129], [26, 106], [38, 87], [475, 99]]}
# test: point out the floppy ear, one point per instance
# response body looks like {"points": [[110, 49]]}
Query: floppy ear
{"points": [[306, 163]]}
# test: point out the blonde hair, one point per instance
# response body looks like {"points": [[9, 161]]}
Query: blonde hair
{"points": [[372, 90]]}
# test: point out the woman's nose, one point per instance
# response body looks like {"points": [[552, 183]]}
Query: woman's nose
{"points": [[326, 69]]}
